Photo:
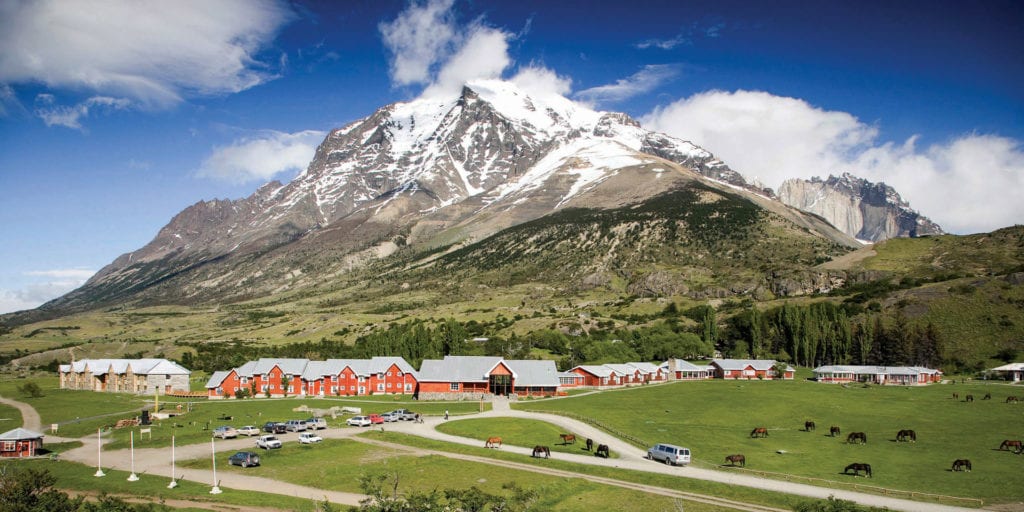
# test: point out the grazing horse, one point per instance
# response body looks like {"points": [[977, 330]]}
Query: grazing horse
{"points": [[956, 396], [962, 465], [602, 451], [1011, 399], [857, 436], [737, 459], [834, 431], [906, 435], [969, 398], [1007, 444], [857, 467], [590, 444], [759, 432], [493, 442], [541, 450], [988, 396], [568, 438], [808, 426]]}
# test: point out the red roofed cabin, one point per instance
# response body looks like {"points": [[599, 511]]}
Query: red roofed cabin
{"points": [[747, 369], [20, 442], [479, 377]]}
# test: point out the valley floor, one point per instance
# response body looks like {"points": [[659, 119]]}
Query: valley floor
{"points": [[155, 462]]}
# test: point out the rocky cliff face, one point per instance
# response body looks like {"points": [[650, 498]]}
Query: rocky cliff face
{"points": [[867, 211]]}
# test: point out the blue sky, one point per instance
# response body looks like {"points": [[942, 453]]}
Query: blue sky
{"points": [[114, 116]]}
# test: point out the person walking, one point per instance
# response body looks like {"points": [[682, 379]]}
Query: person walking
{"points": [[446, 414]]}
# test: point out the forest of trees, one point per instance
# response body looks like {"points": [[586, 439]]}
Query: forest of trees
{"points": [[805, 335]]}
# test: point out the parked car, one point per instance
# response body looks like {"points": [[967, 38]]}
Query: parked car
{"points": [[390, 416], [249, 430], [405, 414], [244, 459], [225, 432], [316, 423], [359, 421], [273, 427], [268, 442], [669, 454], [375, 419], [309, 438], [295, 425]]}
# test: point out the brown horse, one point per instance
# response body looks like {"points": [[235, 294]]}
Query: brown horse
{"points": [[590, 444], [602, 451], [988, 396], [737, 459], [541, 450], [834, 431], [493, 442], [808, 426], [568, 438], [1009, 443], [962, 465], [857, 467], [956, 396], [759, 432], [1010, 399], [969, 398], [857, 437], [905, 436]]}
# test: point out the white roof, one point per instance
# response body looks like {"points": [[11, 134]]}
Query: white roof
{"points": [[217, 379], [1012, 367], [597, 370], [459, 369], [683, 366], [534, 373], [740, 364], [119, 366], [645, 367], [875, 370], [19, 433]]}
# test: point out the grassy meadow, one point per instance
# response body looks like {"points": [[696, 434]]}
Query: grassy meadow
{"points": [[337, 464], [715, 418], [516, 432]]}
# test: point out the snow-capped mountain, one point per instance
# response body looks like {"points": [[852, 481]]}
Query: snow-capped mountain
{"points": [[434, 172], [868, 211]]}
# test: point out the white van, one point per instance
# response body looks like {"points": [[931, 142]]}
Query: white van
{"points": [[669, 454]]}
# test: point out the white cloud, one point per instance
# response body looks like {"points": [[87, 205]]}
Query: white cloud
{"points": [[664, 44], [152, 53], [429, 47], [69, 116], [972, 183], [35, 292], [484, 54], [540, 81], [641, 82], [262, 157], [419, 38]]}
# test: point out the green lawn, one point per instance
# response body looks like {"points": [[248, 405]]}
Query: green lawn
{"points": [[10, 417], [714, 419], [73, 476], [337, 464]]}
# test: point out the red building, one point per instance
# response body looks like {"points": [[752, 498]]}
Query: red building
{"points": [[20, 442], [302, 377], [748, 369], [477, 377]]}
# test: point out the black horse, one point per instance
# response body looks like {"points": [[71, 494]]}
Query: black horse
{"points": [[808, 426], [541, 450], [737, 459], [602, 451], [590, 444], [860, 437], [969, 398], [834, 431], [857, 467], [962, 465], [906, 436]]}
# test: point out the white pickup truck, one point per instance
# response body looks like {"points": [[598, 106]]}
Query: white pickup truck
{"points": [[268, 442]]}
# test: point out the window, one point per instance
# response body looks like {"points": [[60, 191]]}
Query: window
{"points": [[362, 379], [334, 378], [749, 372], [408, 387], [243, 380], [389, 374], [380, 386], [334, 390], [380, 376], [399, 374], [264, 388], [351, 388], [454, 386], [220, 391], [290, 389], [10, 446], [389, 384]]}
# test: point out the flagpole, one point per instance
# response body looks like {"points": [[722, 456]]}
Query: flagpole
{"points": [[213, 459], [133, 477], [173, 484], [99, 454]]}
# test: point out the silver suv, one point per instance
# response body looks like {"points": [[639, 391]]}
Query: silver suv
{"points": [[669, 454], [295, 426]]}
